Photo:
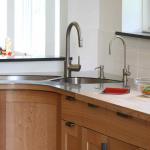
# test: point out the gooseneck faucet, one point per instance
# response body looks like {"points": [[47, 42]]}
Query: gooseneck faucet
{"points": [[126, 68], [69, 67]]}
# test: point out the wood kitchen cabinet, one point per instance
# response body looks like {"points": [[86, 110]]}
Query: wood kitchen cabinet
{"points": [[95, 141], [31, 120], [2, 120], [71, 136], [75, 137], [104, 129]]}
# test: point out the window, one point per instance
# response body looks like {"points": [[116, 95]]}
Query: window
{"points": [[131, 16], [136, 16], [3, 24], [29, 27], [146, 15], [32, 25]]}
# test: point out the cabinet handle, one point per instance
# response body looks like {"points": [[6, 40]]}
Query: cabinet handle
{"points": [[70, 124], [92, 105], [70, 98], [124, 115], [103, 146]]}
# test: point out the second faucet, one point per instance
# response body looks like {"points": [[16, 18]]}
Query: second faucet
{"points": [[126, 71]]}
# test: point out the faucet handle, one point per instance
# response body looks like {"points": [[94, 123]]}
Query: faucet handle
{"points": [[101, 71], [81, 43], [78, 60], [100, 67], [128, 70], [75, 67]]}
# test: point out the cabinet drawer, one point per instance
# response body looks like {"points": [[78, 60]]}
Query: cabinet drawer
{"points": [[114, 124]]}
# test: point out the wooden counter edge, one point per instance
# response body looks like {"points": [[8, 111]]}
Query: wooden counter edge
{"points": [[113, 107], [83, 98]]}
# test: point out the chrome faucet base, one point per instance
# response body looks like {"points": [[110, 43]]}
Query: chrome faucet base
{"points": [[101, 71]]}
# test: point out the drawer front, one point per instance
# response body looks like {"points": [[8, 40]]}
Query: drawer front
{"points": [[110, 123]]}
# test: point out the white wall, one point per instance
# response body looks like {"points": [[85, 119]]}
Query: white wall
{"points": [[110, 21], [41, 66], [37, 67], [99, 19], [86, 13]]}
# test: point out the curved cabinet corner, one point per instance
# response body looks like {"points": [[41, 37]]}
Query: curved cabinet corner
{"points": [[2, 120], [31, 120]]}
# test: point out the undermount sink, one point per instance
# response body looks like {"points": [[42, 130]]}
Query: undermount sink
{"points": [[27, 77], [85, 80]]}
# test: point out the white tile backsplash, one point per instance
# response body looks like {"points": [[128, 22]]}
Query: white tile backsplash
{"points": [[138, 50], [138, 57]]}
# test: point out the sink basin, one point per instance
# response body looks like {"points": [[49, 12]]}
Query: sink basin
{"points": [[27, 77], [84, 80]]}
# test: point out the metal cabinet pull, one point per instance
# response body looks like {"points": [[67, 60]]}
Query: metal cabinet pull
{"points": [[70, 98], [70, 124], [124, 115], [103, 146], [92, 105]]}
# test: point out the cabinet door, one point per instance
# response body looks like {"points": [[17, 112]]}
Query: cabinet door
{"points": [[31, 120], [71, 136], [95, 141], [2, 120], [92, 140]]}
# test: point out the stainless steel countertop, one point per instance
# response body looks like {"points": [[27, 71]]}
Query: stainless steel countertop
{"points": [[134, 102], [73, 87]]}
